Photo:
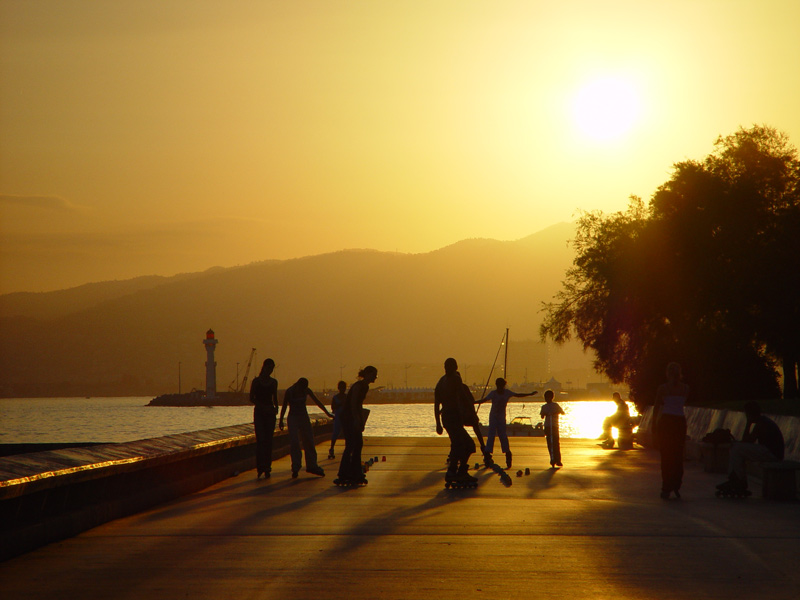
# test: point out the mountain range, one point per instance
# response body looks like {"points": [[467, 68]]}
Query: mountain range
{"points": [[322, 317]]}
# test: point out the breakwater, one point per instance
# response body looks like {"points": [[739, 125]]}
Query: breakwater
{"points": [[51, 495]]}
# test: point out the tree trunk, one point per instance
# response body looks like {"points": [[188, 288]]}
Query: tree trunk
{"points": [[790, 365]]}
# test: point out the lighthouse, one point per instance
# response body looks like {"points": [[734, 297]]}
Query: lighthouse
{"points": [[211, 366]]}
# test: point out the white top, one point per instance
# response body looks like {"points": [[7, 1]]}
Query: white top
{"points": [[499, 402]]}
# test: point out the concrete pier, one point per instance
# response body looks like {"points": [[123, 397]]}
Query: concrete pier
{"points": [[594, 529]]}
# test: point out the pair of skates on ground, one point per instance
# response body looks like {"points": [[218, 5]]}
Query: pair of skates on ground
{"points": [[353, 482], [461, 479], [733, 488]]}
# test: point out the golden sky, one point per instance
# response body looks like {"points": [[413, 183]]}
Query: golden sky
{"points": [[155, 137]]}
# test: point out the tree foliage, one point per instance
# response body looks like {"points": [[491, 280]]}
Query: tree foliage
{"points": [[706, 274]]}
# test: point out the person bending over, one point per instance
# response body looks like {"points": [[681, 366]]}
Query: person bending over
{"points": [[450, 416]]}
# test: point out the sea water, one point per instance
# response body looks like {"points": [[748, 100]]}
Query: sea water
{"points": [[73, 420]]}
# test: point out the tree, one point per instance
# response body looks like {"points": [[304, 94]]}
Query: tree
{"points": [[700, 275]]}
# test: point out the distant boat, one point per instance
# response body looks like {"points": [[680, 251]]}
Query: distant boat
{"points": [[520, 427], [198, 398]]}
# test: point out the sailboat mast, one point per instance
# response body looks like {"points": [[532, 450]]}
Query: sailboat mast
{"points": [[505, 359]]}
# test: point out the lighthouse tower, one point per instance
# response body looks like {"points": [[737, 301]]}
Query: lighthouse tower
{"points": [[211, 366]]}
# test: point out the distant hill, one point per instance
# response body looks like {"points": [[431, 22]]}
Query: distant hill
{"points": [[319, 316], [48, 305]]}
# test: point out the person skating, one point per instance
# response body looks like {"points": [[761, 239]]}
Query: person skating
{"points": [[350, 469], [550, 411], [499, 398], [301, 433], [337, 402], [450, 414], [264, 395]]}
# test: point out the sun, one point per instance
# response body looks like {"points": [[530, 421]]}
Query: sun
{"points": [[606, 108]]}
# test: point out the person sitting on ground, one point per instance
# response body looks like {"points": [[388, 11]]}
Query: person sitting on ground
{"points": [[762, 441], [620, 419]]}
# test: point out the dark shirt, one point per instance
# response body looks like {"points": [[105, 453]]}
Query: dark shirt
{"points": [[448, 395], [355, 396], [767, 433], [295, 397], [337, 402], [354, 404], [264, 392], [468, 406]]}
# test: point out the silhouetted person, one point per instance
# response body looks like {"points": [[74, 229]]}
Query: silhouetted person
{"points": [[264, 395], [350, 469], [762, 441], [499, 398], [621, 419], [337, 402], [300, 431], [549, 412], [449, 411], [670, 428]]}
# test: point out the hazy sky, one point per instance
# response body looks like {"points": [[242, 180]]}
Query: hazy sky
{"points": [[155, 137]]}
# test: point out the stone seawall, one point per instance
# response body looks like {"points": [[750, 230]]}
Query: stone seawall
{"points": [[52, 495], [700, 421]]}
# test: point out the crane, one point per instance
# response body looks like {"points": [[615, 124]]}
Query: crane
{"points": [[232, 387]]}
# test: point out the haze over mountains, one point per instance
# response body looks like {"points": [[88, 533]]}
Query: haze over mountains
{"points": [[318, 316]]}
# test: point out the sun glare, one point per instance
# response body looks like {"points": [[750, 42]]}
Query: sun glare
{"points": [[606, 108]]}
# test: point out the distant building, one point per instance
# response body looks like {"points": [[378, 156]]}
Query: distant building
{"points": [[554, 385]]}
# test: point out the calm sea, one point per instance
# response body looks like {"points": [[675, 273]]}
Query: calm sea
{"points": [[67, 420]]}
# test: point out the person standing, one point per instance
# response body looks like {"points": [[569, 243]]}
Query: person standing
{"points": [[550, 411], [300, 431], [352, 416], [670, 428], [499, 398], [337, 402], [450, 415], [264, 395]]}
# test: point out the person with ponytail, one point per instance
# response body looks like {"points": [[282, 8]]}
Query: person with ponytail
{"points": [[353, 419]]}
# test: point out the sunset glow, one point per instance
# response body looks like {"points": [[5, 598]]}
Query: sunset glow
{"points": [[606, 108], [133, 135]]}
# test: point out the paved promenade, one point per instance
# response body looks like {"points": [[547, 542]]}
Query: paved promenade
{"points": [[594, 529]]}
